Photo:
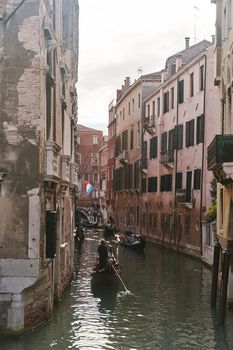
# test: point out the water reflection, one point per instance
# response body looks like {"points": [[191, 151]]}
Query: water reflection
{"points": [[167, 307]]}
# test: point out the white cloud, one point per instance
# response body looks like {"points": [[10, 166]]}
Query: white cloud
{"points": [[118, 37]]}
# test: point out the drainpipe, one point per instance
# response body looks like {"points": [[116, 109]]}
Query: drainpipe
{"points": [[203, 157], [176, 161]]}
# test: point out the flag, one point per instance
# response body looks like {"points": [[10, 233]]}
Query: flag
{"points": [[89, 189]]}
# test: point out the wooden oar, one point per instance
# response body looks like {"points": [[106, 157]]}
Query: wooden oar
{"points": [[120, 279]]}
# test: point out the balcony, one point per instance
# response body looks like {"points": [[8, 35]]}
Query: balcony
{"points": [[52, 161], [185, 198], [65, 168], [167, 158], [220, 158], [123, 157], [149, 125]]}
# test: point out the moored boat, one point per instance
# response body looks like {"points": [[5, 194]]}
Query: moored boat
{"points": [[131, 240]]}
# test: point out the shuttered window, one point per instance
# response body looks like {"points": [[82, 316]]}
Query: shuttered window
{"points": [[179, 181], [166, 183], [164, 142], [181, 91], [200, 129], [197, 179], [153, 147], [189, 133], [166, 102], [152, 184]]}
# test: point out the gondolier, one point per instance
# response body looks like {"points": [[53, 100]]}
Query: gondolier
{"points": [[103, 254]]}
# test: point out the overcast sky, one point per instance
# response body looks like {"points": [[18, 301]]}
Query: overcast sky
{"points": [[117, 37]]}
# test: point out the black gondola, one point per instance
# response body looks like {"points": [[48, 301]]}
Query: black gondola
{"points": [[131, 240]]}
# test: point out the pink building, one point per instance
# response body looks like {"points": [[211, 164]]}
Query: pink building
{"points": [[179, 123]]}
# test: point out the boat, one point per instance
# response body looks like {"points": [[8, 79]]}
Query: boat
{"points": [[131, 240], [107, 275]]}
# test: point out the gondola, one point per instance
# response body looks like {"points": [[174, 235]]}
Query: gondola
{"points": [[108, 275], [131, 240]]}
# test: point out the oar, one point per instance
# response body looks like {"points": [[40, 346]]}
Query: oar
{"points": [[120, 279]]}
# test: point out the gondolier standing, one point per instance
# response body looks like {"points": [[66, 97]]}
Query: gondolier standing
{"points": [[103, 254]]}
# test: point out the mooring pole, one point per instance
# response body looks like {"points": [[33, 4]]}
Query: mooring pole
{"points": [[224, 285], [214, 285]]}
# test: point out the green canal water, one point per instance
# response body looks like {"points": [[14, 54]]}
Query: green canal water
{"points": [[167, 307]]}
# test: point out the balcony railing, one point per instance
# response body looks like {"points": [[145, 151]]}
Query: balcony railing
{"points": [[167, 158], [123, 157], [220, 158], [220, 151], [183, 196]]}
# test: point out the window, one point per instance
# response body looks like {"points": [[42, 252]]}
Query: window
{"points": [[172, 97], [94, 159], [133, 105], [123, 114], [166, 183], [190, 133], [153, 108], [178, 137], [152, 184], [86, 177], [166, 102], [118, 146], [158, 106], [200, 129], [153, 147], [125, 140], [181, 91], [170, 140], [201, 78], [129, 108], [131, 138], [95, 177], [139, 101], [164, 142], [95, 140], [136, 174], [191, 85], [148, 111], [197, 179], [179, 181]]}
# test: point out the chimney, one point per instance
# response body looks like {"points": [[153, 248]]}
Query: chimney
{"points": [[127, 83], [118, 94], [187, 42], [178, 62], [213, 39], [163, 76]]}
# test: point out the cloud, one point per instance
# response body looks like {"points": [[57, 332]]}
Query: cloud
{"points": [[118, 37]]}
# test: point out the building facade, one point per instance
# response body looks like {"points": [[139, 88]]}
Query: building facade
{"points": [[129, 111], [111, 157], [103, 176], [179, 122], [89, 142], [38, 103], [220, 151]]}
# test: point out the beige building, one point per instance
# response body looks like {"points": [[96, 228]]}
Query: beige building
{"points": [[126, 183], [38, 104]]}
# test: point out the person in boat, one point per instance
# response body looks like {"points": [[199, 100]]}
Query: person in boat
{"points": [[103, 254]]}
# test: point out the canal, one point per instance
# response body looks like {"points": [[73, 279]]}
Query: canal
{"points": [[167, 307]]}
